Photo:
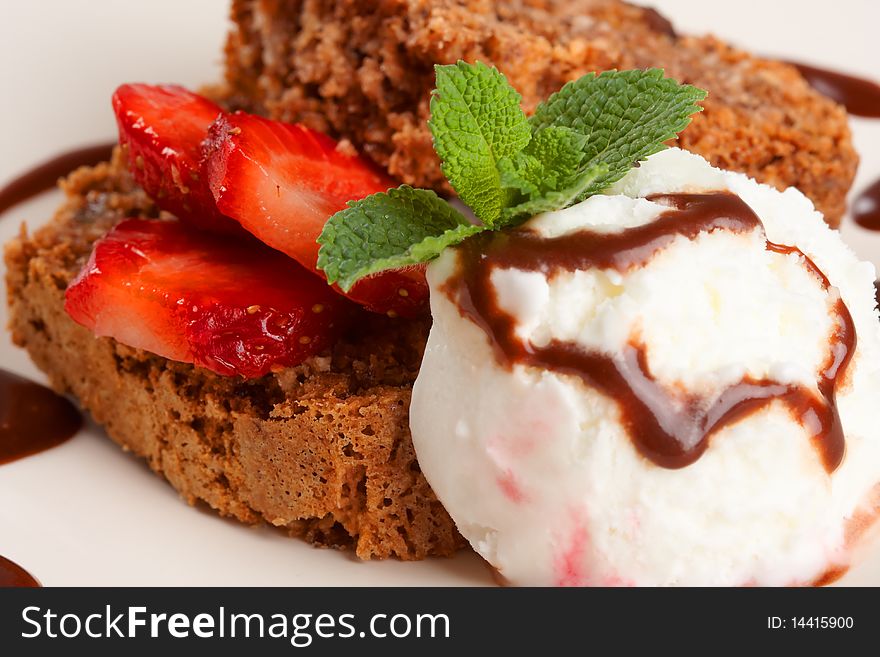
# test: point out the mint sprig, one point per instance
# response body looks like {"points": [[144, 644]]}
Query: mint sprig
{"points": [[476, 120], [625, 116], [507, 167], [379, 232], [550, 173]]}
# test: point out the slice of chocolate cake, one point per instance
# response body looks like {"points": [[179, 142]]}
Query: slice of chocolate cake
{"points": [[322, 450], [363, 69]]}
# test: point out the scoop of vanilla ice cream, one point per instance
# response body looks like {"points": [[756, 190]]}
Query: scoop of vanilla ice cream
{"points": [[537, 468]]}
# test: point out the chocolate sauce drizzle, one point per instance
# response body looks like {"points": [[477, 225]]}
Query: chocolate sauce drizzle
{"points": [[866, 207], [671, 430], [658, 22], [858, 95], [32, 418], [46, 175], [14, 576]]}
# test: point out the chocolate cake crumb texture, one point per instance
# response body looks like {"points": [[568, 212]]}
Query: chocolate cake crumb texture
{"points": [[363, 69]]}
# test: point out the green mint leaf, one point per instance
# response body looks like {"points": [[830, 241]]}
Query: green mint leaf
{"points": [[560, 152], [476, 120], [548, 163], [403, 226], [574, 189], [624, 115], [548, 175]]}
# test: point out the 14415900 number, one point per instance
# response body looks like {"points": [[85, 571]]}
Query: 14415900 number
{"points": [[810, 622]]}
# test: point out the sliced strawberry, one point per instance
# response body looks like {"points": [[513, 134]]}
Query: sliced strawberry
{"points": [[282, 182], [164, 127], [230, 306]]}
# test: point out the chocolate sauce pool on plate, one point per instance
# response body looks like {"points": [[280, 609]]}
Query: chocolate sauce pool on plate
{"points": [[671, 429], [46, 175], [859, 96], [658, 22], [32, 418], [14, 576], [866, 207]]}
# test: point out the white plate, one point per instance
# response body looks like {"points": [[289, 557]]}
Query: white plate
{"points": [[86, 513]]}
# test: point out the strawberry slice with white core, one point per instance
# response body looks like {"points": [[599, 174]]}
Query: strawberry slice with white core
{"points": [[235, 307], [282, 182], [164, 127]]}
